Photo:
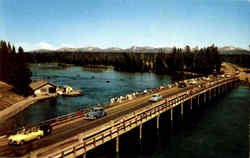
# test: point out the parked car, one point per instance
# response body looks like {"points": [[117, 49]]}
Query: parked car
{"points": [[182, 85], [192, 82], [25, 136], [95, 112], [155, 97]]}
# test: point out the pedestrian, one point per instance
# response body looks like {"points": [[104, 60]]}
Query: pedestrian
{"points": [[79, 112]]}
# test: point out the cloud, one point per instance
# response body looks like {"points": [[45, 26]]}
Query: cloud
{"points": [[45, 45]]}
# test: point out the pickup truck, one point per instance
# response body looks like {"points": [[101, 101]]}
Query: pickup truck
{"points": [[95, 112], [155, 97]]}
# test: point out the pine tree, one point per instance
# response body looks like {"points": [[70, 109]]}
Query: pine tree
{"points": [[23, 73]]}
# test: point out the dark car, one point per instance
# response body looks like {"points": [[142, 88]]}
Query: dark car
{"points": [[95, 112], [182, 85]]}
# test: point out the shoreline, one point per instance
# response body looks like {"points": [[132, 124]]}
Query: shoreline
{"points": [[20, 106]]}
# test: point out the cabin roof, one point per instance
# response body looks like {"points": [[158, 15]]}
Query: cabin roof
{"points": [[40, 83]]}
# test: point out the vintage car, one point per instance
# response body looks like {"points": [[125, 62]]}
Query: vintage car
{"points": [[155, 97], [95, 112], [182, 85], [25, 136]]}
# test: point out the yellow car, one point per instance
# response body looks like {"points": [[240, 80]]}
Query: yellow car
{"points": [[25, 135]]}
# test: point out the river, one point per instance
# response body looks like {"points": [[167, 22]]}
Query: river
{"points": [[217, 129], [98, 86]]}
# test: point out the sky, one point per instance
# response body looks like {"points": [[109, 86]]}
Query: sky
{"points": [[52, 24]]}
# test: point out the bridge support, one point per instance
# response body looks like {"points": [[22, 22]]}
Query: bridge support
{"points": [[198, 99], [84, 155], [209, 94], [205, 98], [191, 104], [181, 111], [117, 144], [158, 122], [215, 92], [171, 111], [140, 132]]}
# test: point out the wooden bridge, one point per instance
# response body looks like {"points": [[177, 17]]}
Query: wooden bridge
{"points": [[80, 136]]}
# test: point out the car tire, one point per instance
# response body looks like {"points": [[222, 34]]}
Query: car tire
{"points": [[22, 142]]}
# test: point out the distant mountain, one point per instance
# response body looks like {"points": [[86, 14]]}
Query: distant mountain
{"points": [[41, 50], [91, 48], [67, 49], [229, 50]]}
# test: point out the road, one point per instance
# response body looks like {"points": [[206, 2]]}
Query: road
{"points": [[81, 125]]}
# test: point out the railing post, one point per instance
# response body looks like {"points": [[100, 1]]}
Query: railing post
{"points": [[74, 152], [84, 149]]}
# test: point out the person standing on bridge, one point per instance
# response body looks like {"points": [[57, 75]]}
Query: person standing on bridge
{"points": [[79, 112]]}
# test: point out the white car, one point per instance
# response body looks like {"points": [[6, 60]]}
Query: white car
{"points": [[155, 97]]}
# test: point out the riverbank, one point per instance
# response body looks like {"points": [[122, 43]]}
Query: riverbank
{"points": [[244, 73], [7, 96], [20, 106]]}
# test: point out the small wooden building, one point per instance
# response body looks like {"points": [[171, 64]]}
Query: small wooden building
{"points": [[42, 87]]}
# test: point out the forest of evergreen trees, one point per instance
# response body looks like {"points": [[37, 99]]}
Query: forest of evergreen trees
{"points": [[14, 68], [204, 61]]}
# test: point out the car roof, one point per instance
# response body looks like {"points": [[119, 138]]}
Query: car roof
{"points": [[156, 94], [98, 108]]}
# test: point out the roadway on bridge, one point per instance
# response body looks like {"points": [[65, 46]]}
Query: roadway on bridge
{"points": [[69, 130]]}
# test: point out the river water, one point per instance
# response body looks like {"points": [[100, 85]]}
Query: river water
{"points": [[216, 129], [98, 87]]}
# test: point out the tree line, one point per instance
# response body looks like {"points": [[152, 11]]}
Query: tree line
{"points": [[204, 60], [14, 68]]}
